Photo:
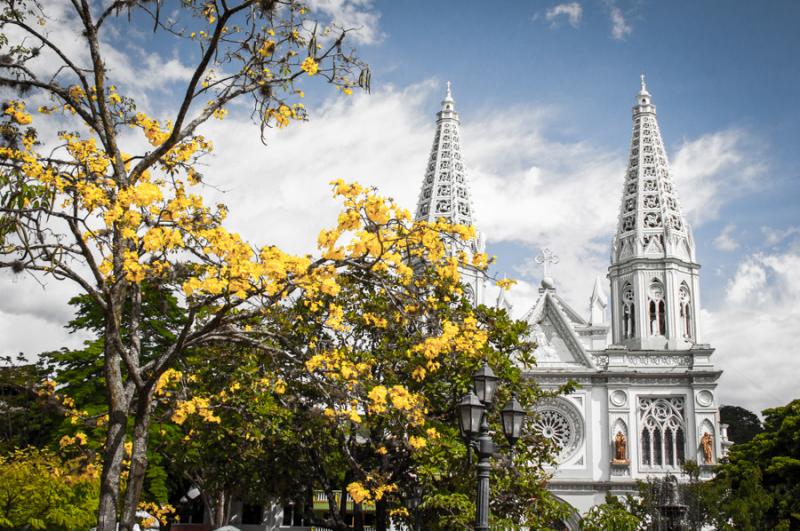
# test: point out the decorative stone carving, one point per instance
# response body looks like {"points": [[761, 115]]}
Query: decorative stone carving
{"points": [[658, 360], [704, 398], [618, 398], [559, 421]]}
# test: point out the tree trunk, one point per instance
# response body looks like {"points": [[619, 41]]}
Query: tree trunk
{"points": [[136, 476], [381, 516], [358, 517]]}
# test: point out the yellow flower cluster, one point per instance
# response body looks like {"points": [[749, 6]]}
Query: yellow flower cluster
{"points": [[197, 405], [401, 399], [309, 66], [360, 493], [152, 129], [16, 109]]}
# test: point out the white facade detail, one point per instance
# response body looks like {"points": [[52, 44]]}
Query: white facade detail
{"points": [[646, 398]]}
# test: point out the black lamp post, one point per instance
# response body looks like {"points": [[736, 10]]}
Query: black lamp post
{"points": [[474, 423]]}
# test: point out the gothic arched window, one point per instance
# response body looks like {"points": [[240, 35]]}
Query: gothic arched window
{"points": [[686, 310], [657, 309], [628, 312], [663, 440]]}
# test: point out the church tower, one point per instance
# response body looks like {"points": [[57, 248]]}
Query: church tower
{"points": [[653, 272], [445, 191]]}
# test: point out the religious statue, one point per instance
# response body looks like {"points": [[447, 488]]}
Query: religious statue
{"points": [[707, 443], [620, 448]]}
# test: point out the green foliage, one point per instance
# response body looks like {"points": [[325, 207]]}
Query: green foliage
{"points": [[759, 486], [39, 490], [611, 515], [743, 425]]}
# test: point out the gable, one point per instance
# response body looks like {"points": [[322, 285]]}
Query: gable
{"points": [[558, 345]]}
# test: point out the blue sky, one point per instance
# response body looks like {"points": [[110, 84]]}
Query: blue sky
{"points": [[544, 90]]}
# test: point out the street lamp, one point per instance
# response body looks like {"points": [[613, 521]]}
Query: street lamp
{"points": [[473, 418]]}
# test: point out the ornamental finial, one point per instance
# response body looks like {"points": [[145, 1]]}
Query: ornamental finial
{"points": [[644, 85], [449, 95]]}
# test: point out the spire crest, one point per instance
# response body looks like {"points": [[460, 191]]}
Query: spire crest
{"points": [[650, 222], [445, 189]]}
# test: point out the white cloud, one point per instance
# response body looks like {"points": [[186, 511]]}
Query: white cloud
{"points": [[620, 27], [755, 332], [572, 10], [716, 168], [725, 241], [357, 15], [776, 236]]}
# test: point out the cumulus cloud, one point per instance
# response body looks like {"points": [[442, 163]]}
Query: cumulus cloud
{"points": [[620, 28], [572, 11], [755, 331], [726, 241], [357, 15], [716, 167], [774, 236]]}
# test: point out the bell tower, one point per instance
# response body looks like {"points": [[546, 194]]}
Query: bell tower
{"points": [[653, 272]]}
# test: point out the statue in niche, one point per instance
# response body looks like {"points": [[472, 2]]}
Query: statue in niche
{"points": [[620, 448], [707, 444]]}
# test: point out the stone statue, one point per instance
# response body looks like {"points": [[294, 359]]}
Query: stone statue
{"points": [[707, 443], [620, 448]]}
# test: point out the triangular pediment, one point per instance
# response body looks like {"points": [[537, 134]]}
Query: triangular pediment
{"points": [[552, 324]]}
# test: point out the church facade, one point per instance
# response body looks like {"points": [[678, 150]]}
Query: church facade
{"points": [[646, 399]]}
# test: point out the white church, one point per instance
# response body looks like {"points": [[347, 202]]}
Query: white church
{"points": [[647, 399]]}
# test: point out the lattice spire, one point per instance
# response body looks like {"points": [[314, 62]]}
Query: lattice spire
{"points": [[650, 221], [445, 190]]}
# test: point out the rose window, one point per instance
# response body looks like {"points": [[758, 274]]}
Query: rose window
{"points": [[555, 427], [560, 422]]}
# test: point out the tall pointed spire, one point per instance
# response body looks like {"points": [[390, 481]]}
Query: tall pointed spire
{"points": [[445, 190], [650, 221], [653, 273]]}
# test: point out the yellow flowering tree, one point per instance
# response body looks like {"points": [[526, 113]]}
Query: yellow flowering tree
{"points": [[86, 205], [374, 357]]}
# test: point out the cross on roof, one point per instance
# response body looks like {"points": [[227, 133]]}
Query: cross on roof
{"points": [[546, 258]]}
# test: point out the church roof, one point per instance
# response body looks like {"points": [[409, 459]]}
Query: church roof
{"points": [[651, 224], [554, 327], [445, 189]]}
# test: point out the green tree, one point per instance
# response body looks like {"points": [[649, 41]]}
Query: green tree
{"points": [[759, 486], [743, 425], [79, 201], [611, 515], [40, 490]]}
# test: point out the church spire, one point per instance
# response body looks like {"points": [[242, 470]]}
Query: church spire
{"points": [[653, 273], [445, 190], [650, 222]]}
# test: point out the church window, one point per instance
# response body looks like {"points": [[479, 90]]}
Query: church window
{"points": [[648, 159], [459, 166], [429, 178], [446, 145], [445, 154], [459, 177], [662, 437], [652, 220], [444, 189], [647, 148], [426, 193], [631, 187], [686, 310], [463, 209], [630, 205], [634, 161], [657, 309], [676, 222], [651, 201], [628, 312], [650, 186], [461, 192], [423, 210], [445, 177], [444, 164], [628, 223], [443, 205], [635, 152]]}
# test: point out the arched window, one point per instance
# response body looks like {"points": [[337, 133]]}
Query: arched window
{"points": [[628, 312], [662, 438], [686, 310], [657, 309]]}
